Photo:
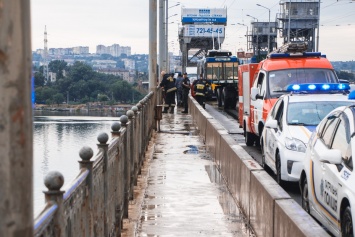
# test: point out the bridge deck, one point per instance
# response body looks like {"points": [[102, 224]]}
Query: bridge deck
{"points": [[180, 191]]}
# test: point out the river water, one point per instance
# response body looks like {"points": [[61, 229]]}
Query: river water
{"points": [[57, 140]]}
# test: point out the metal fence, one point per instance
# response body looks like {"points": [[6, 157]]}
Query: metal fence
{"points": [[96, 201]]}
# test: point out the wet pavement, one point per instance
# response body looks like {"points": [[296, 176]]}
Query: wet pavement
{"points": [[180, 192]]}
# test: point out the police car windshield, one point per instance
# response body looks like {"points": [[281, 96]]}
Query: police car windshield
{"points": [[312, 112], [280, 79]]}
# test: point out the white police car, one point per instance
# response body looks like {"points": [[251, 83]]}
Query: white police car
{"points": [[290, 123], [327, 181]]}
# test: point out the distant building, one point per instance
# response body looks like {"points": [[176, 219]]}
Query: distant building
{"points": [[52, 76], [124, 74], [129, 63], [81, 50], [115, 50], [100, 64]]}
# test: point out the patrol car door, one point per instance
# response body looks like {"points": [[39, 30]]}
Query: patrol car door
{"points": [[271, 135], [335, 176], [257, 105], [321, 184]]}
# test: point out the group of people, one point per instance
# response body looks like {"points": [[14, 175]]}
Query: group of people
{"points": [[181, 87]]}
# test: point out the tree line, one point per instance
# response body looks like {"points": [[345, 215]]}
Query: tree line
{"points": [[80, 84]]}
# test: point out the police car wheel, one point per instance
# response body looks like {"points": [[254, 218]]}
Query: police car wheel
{"points": [[305, 201], [278, 169], [346, 223], [262, 153], [249, 139]]}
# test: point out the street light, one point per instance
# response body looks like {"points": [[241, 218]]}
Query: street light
{"points": [[253, 17], [167, 39], [257, 36], [177, 4], [166, 31], [268, 34], [246, 34]]}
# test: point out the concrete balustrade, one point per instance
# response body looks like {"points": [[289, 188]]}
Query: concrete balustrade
{"points": [[269, 210], [96, 201]]}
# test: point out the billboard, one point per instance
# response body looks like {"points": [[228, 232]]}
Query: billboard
{"points": [[204, 31], [204, 15]]}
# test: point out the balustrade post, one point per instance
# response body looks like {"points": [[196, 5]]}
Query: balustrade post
{"points": [[131, 142], [136, 143], [103, 138], [144, 127], [139, 138], [115, 129], [116, 126], [124, 121], [54, 181], [86, 153]]}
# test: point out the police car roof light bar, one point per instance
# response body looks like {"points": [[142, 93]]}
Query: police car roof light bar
{"points": [[318, 87]]}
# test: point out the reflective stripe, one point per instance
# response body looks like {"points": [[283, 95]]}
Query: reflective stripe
{"points": [[198, 93], [200, 87], [171, 89]]}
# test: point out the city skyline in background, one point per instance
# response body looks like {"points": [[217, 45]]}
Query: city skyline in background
{"points": [[90, 23]]}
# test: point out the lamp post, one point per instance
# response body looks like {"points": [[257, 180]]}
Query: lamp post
{"points": [[167, 43], [246, 34], [318, 18], [289, 22], [257, 35], [268, 34], [166, 32]]}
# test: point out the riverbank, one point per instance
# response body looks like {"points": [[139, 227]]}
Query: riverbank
{"points": [[84, 107]]}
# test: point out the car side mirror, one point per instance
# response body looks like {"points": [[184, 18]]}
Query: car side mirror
{"points": [[331, 156], [271, 123], [254, 93]]}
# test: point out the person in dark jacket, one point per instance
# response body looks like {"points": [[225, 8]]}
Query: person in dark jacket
{"points": [[179, 92], [200, 89], [185, 92], [168, 83]]}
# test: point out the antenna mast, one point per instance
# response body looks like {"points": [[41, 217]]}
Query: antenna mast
{"points": [[45, 56]]}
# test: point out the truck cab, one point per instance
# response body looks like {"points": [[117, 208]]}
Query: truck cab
{"points": [[268, 81]]}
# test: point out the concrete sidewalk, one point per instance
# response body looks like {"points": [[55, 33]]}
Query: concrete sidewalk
{"points": [[180, 192]]}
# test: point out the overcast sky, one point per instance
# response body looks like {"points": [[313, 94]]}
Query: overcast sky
{"points": [[73, 23]]}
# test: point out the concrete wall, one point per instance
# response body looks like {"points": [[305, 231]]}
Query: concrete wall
{"points": [[268, 208]]}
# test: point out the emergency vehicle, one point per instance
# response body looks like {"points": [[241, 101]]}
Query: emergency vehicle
{"points": [[291, 122], [220, 69], [260, 84], [327, 180]]}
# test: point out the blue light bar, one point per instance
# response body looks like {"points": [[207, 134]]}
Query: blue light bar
{"points": [[279, 55], [319, 87], [312, 54]]}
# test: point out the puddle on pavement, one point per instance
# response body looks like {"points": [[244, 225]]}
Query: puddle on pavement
{"points": [[192, 150]]}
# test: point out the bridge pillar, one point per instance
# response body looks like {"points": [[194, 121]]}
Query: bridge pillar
{"points": [[16, 186]]}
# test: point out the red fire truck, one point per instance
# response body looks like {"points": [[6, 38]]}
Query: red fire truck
{"points": [[260, 84]]}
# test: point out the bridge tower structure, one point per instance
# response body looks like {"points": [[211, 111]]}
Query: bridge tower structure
{"points": [[202, 29], [298, 21], [258, 37], [45, 56]]}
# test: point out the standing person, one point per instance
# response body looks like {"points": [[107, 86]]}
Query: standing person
{"points": [[168, 83], [179, 92], [200, 89], [185, 92], [162, 74]]}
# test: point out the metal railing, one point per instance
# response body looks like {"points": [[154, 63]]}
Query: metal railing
{"points": [[96, 201]]}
